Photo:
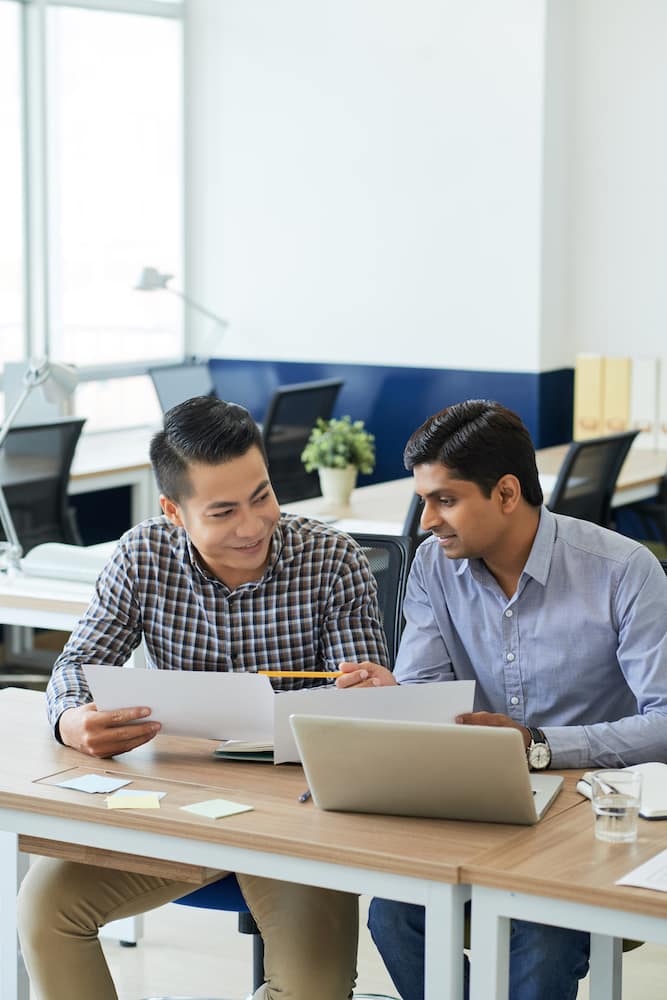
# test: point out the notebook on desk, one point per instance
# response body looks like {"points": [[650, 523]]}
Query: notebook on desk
{"points": [[421, 769]]}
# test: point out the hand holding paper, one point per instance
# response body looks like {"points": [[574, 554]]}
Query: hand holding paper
{"points": [[105, 734]]}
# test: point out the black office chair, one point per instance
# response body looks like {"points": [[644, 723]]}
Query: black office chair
{"points": [[389, 559], [412, 525], [176, 383], [652, 515], [291, 415], [587, 478], [35, 467]]}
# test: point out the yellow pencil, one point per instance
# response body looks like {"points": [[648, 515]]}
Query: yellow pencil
{"points": [[300, 673]]}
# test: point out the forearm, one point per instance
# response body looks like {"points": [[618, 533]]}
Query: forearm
{"points": [[67, 687], [633, 740]]}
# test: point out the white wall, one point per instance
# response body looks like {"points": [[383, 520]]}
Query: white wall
{"points": [[456, 183], [366, 178], [619, 180]]}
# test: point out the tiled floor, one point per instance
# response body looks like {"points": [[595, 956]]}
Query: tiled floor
{"points": [[194, 953]]}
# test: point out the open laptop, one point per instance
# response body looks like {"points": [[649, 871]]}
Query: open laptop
{"points": [[421, 769]]}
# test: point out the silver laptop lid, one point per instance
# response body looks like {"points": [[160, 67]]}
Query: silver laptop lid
{"points": [[419, 769]]}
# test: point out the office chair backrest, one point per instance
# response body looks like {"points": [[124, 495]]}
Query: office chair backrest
{"points": [[176, 383], [587, 478], [412, 525], [291, 415], [389, 557], [35, 466]]}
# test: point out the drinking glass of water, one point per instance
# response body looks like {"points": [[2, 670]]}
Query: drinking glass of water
{"points": [[616, 800]]}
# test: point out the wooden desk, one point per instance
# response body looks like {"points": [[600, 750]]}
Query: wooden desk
{"points": [[414, 860], [560, 874], [384, 506]]}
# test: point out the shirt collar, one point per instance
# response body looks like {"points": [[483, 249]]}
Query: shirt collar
{"points": [[539, 560], [278, 550]]}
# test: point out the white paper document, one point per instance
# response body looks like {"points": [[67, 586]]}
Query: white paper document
{"points": [[94, 783], [228, 706], [217, 706], [651, 875], [406, 702]]}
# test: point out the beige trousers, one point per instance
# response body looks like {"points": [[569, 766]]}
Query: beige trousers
{"points": [[310, 935]]}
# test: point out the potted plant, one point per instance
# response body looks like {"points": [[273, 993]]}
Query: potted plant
{"points": [[339, 449]]}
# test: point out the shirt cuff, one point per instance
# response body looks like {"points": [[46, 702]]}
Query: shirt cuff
{"points": [[569, 746]]}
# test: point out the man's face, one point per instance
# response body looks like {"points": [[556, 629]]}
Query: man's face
{"points": [[230, 516], [468, 524]]}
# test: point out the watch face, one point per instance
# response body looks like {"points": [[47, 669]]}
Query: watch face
{"points": [[540, 756]]}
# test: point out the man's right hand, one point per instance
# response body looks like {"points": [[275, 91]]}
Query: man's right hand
{"points": [[105, 734], [364, 675]]}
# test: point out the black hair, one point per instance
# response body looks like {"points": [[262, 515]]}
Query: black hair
{"points": [[203, 430], [479, 441]]}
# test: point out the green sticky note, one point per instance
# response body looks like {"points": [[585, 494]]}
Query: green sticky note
{"points": [[217, 808]]}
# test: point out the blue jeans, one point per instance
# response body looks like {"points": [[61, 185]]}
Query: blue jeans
{"points": [[546, 963]]}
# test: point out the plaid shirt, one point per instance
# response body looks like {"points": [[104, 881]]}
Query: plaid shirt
{"points": [[315, 605]]}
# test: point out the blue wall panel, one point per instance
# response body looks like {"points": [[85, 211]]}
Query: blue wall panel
{"points": [[393, 401]]}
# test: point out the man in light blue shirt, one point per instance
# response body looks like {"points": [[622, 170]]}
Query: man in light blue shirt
{"points": [[560, 622]]}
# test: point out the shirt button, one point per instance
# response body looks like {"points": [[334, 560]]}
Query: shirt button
{"points": [[514, 700], [510, 657], [509, 613]]}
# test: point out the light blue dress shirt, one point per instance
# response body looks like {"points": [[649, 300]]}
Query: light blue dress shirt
{"points": [[580, 650]]}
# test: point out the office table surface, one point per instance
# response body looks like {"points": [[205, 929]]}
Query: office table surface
{"points": [[46, 600], [566, 861], [423, 848]]}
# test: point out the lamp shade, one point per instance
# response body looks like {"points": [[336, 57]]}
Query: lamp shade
{"points": [[151, 279], [61, 383]]}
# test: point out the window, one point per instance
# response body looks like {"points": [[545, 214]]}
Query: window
{"points": [[115, 122], [12, 329]]}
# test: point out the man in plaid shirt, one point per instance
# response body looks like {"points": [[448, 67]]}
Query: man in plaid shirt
{"points": [[222, 581]]}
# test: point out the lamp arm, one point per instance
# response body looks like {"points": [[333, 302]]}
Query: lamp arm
{"points": [[9, 420], [15, 549], [195, 305], [13, 545]]}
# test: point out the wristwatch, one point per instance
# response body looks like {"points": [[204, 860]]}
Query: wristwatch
{"points": [[539, 751]]}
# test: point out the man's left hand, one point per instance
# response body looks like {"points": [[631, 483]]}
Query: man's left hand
{"points": [[493, 719]]}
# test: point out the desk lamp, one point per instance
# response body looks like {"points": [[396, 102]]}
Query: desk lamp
{"points": [[151, 280], [58, 382]]}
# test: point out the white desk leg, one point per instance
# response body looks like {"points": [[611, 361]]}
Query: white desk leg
{"points": [[490, 951], [606, 968], [14, 983], [443, 955]]}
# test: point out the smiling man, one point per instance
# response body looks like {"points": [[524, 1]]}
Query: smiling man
{"points": [[560, 622], [224, 582]]}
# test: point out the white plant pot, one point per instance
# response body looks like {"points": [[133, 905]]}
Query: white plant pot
{"points": [[337, 484]]}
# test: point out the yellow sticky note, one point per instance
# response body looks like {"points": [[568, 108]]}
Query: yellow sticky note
{"points": [[123, 801], [217, 808]]}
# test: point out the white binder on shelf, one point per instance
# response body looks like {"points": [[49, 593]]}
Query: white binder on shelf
{"points": [[644, 395]]}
